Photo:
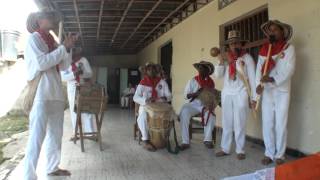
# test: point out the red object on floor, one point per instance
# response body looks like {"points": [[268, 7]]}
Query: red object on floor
{"points": [[307, 168]]}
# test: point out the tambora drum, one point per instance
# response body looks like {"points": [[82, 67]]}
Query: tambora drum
{"points": [[160, 117]]}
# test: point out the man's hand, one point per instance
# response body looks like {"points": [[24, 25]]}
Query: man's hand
{"points": [[267, 79], [69, 40], [221, 60], [194, 95], [151, 100], [164, 98], [259, 89], [253, 104]]}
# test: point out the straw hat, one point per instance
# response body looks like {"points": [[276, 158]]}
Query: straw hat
{"points": [[32, 20], [234, 36], [287, 29], [207, 64]]}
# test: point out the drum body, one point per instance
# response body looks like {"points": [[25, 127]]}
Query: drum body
{"points": [[160, 117]]}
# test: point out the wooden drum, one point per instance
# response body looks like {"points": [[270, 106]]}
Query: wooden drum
{"points": [[160, 117]]}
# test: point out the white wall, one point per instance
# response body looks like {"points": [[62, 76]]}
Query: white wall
{"points": [[201, 31]]}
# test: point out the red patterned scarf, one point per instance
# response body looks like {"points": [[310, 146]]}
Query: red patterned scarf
{"points": [[151, 82], [232, 59], [207, 82], [74, 67], [49, 40], [276, 49]]}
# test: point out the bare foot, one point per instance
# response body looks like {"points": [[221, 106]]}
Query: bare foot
{"points": [[221, 154], [60, 172], [266, 161]]}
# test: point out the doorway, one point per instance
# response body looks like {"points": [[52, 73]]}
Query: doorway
{"points": [[166, 61], [113, 85]]}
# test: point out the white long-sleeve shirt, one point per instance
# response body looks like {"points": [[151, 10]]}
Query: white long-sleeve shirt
{"points": [[192, 87], [145, 92], [235, 86], [69, 76], [282, 72], [38, 59]]}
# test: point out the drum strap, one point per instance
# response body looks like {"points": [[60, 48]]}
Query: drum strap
{"points": [[177, 148], [204, 121]]}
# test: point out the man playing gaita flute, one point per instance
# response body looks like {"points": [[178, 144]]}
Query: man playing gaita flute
{"points": [[44, 58], [150, 89], [192, 91], [235, 97], [78, 73], [275, 88]]}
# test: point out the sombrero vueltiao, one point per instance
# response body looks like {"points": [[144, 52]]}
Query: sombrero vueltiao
{"points": [[32, 20], [207, 64], [287, 29], [234, 36]]}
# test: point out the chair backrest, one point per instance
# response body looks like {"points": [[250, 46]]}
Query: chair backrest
{"points": [[90, 99]]}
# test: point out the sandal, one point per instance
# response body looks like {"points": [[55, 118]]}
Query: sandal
{"points": [[149, 147], [60, 172], [241, 156], [266, 161], [221, 154], [184, 147], [279, 161], [208, 144]]}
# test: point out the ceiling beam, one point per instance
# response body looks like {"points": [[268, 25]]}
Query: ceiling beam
{"points": [[142, 21], [121, 20], [100, 17], [164, 20], [75, 5]]}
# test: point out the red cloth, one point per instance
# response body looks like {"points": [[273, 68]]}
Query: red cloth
{"points": [[276, 49], [232, 59], [207, 82], [74, 67], [304, 168], [49, 40], [151, 82]]}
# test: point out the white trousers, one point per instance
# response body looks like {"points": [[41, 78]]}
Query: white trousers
{"points": [[235, 108], [124, 101], [87, 119], [191, 109], [143, 123], [46, 124], [275, 107]]}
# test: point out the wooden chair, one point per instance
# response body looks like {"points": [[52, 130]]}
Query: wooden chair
{"points": [[91, 100], [136, 131], [192, 129]]}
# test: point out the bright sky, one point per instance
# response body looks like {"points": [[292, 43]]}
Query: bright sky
{"points": [[14, 13]]}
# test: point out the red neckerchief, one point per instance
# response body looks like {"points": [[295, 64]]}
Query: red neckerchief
{"points": [[151, 82], [276, 49], [49, 40], [74, 66], [207, 82], [232, 59]]}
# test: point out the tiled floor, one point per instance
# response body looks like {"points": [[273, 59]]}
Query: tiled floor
{"points": [[122, 157]]}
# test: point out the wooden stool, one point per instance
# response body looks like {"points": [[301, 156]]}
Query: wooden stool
{"points": [[192, 129], [89, 99], [136, 131]]}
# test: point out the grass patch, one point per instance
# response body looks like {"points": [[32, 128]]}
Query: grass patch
{"points": [[9, 125], [13, 124]]}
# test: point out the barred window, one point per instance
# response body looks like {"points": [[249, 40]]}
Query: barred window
{"points": [[249, 27]]}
